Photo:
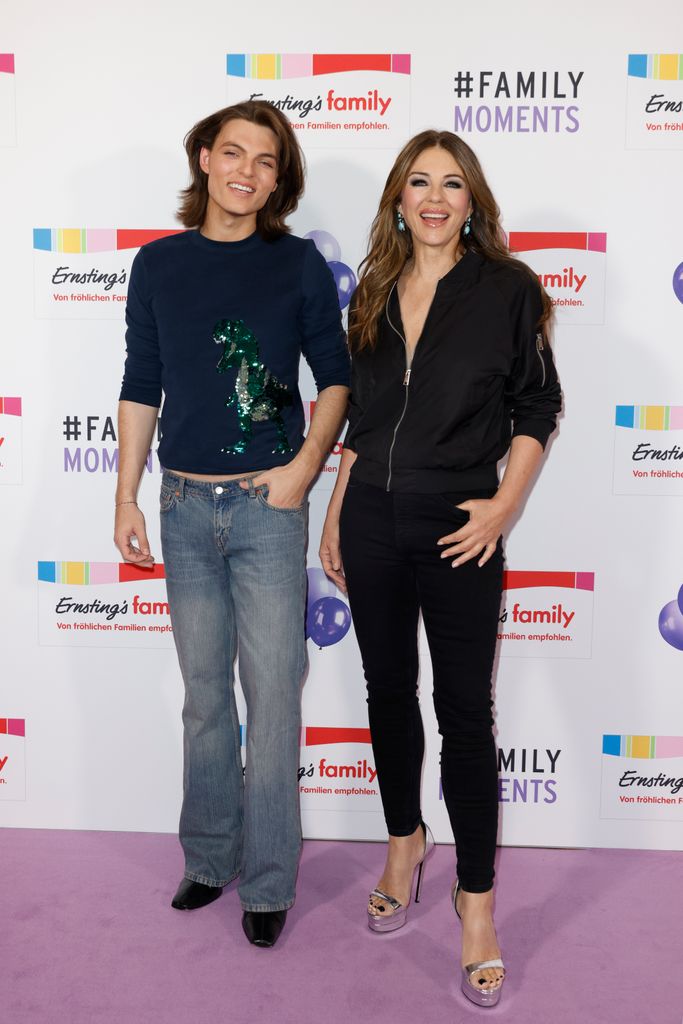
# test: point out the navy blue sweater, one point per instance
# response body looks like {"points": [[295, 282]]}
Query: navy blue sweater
{"points": [[219, 327]]}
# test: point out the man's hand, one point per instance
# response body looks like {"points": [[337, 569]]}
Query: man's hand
{"points": [[286, 485], [129, 526]]}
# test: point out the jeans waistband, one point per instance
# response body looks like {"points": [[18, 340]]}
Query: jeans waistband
{"points": [[206, 488]]}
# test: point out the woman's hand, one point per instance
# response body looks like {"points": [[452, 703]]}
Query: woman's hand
{"points": [[479, 536], [330, 553]]}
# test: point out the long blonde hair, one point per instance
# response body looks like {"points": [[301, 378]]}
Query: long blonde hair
{"points": [[390, 249]]}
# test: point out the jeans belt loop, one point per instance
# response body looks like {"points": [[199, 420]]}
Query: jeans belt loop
{"points": [[180, 488], [252, 489]]}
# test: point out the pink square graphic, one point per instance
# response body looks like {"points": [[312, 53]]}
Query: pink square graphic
{"points": [[296, 65], [100, 239], [12, 406], [585, 581], [597, 241], [104, 572], [400, 63], [16, 727], [675, 417], [7, 63], [669, 746]]}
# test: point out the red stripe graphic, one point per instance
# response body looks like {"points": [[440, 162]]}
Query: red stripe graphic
{"points": [[316, 735], [129, 573], [133, 238], [516, 580], [526, 241], [331, 63]]}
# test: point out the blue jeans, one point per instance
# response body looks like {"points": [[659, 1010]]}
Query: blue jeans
{"points": [[236, 578]]}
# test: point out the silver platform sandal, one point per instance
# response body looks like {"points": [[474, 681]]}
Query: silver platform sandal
{"points": [[478, 996], [392, 922]]}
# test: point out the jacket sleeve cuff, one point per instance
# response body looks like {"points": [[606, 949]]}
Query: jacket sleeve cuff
{"points": [[538, 429]]}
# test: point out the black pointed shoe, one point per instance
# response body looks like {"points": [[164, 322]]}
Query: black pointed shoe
{"points": [[193, 895], [263, 929]]}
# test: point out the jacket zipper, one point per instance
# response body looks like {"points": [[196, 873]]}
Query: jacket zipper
{"points": [[539, 350], [406, 385]]}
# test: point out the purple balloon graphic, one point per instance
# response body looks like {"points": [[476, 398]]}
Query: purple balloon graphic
{"points": [[345, 280], [678, 282], [680, 600], [326, 244], [671, 624], [328, 621], [319, 586]]}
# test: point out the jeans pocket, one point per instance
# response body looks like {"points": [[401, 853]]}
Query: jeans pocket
{"points": [[261, 494], [167, 498]]}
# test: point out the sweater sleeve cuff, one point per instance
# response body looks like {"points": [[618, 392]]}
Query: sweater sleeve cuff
{"points": [[143, 396], [540, 430]]}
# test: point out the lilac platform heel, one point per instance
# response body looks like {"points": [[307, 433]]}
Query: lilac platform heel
{"points": [[394, 921], [478, 996]]}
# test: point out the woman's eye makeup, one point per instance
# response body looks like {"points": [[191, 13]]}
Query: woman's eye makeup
{"points": [[449, 183]]}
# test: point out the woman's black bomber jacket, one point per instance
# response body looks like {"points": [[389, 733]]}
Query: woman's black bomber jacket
{"points": [[481, 373]]}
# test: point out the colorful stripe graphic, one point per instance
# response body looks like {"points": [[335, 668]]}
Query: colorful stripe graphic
{"points": [[12, 726], [89, 573], [10, 406], [275, 66], [7, 63], [643, 746], [666, 67], [77, 240], [527, 241], [649, 417], [514, 579]]}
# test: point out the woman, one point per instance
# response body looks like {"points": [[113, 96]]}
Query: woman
{"points": [[450, 368]]}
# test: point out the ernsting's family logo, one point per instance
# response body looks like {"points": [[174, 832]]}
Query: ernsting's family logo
{"points": [[571, 266], [102, 604], [654, 106], [12, 759], [83, 273], [10, 440], [648, 449], [8, 126], [642, 777], [332, 99]]}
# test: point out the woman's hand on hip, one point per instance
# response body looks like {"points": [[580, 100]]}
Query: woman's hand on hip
{"points": [[477, 538]]}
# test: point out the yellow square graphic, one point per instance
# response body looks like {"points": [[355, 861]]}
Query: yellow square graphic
{"points": [[640, 746], [668, 66], [654, 417], [266, 65], [74, 572], [71, 240]]}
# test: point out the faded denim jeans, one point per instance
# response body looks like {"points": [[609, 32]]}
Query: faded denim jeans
{"points": [[236, 578]]}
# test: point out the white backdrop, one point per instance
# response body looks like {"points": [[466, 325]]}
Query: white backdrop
{"points": [[586, 165]]}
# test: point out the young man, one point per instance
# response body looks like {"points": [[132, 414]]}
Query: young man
{"points": [[217, 319]]}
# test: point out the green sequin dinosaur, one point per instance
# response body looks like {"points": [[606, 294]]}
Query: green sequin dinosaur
{"points": [[259, 395]]}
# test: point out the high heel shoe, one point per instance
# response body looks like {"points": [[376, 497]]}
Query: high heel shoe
{"points": [[478, 996], [399, 916]]}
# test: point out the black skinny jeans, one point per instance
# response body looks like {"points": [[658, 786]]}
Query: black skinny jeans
{"points": [[394, 570]]}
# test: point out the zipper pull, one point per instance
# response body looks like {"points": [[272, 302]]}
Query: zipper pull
{"points": [[539, 342], [406, 378]]}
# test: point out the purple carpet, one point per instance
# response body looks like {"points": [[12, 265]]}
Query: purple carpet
{"points": [[88, 937]]}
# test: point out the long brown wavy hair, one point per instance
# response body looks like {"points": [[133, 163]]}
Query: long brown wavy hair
{"points": [[270, 220], [390, 249]]}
